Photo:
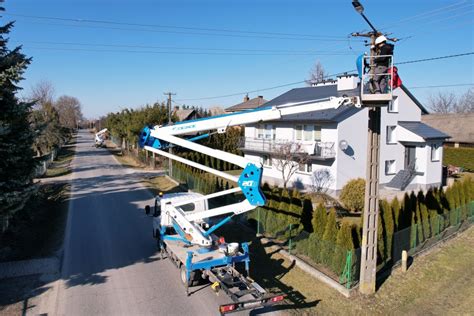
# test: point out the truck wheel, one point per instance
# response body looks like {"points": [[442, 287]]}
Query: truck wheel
{"points": [[194, 276], [183, 275]]}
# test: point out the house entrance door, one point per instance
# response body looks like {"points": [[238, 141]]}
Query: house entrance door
{"points": [[410, 157]]}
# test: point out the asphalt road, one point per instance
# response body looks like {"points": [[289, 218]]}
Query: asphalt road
{"points": [[110, 264]]}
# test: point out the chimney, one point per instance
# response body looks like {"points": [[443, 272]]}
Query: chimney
{"points": [[246, 98], [347, 82]]}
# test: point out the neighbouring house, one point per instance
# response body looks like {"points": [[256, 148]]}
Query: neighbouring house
{"points": [[185, 114], [460, 126], [336, 140], [247, 104]]}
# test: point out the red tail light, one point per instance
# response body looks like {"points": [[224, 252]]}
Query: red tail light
{"points": [[227, 308], [277, 298]]}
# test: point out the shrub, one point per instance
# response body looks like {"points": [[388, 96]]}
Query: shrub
{"points": [[353, 195], [319, 221]]}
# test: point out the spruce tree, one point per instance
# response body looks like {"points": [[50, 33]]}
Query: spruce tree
{"points": [[17, 167]]}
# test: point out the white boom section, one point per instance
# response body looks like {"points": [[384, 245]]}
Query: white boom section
{"points": [[185, 220], [253, 116], [98, 136]]}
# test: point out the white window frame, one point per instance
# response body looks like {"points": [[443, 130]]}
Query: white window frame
{"points": [[307, 168], [436, 152], [393, 105], [267, 161], [389, 138], [307, 133], [390, 167]]}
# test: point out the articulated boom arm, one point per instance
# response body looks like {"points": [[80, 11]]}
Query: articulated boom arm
{"points": [[161, 137]]}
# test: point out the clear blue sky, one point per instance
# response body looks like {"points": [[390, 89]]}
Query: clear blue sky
{"points": [[111, 66]]}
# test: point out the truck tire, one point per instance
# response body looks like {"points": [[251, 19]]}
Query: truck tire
{"points": [[194, 277]]}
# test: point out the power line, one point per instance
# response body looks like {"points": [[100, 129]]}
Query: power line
{"points": [[444, 86], [166, 26], [181, 52], [228, 32], [433, 58], [175, 47], [328, 76], [430, 13]]}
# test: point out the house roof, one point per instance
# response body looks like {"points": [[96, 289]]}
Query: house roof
{"points": [[247, 105], [459, 126], [183, 114], [423, 130], [309, 94]]}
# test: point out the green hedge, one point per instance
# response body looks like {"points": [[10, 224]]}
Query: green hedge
{"points": [[318, 235]]}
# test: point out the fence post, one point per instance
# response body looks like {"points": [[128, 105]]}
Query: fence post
{"points": [[258, 221], [346, 276], [289, 242]]}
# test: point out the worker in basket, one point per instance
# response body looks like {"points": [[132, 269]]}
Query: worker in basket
{"points": [[382, 64]]}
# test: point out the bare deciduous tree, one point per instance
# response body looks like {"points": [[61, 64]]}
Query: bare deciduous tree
{"points": [[69, 110], [317, 74], [321, 179], [466, 102], [447, 102], [288, 157], [42, 93]]}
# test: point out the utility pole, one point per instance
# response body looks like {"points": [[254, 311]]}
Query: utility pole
{"points": [[368, 266], [170, 150]]}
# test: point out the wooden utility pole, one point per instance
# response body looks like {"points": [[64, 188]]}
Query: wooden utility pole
{"points": [[170, 150], [368, 266]]}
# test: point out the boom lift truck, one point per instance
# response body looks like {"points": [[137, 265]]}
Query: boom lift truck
{"points": [[100, 138], [181, 230]]}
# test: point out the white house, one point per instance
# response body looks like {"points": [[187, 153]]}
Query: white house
{"points": [[336, 140]]}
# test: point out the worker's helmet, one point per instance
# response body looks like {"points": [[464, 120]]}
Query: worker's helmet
{"points": [[380, 39]]}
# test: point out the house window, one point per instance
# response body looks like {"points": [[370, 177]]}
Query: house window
{"points": [[308, 133], [265, 131], [390, 167], [317, 133], [307, 168], [267, 161], [299, 132], [393, 105], [435, 152], [390, 134]]}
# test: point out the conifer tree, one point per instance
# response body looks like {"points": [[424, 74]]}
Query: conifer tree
{"points": [[380, 238], [425, 220], [389, 227], [319, 221], [343, 244], [329, 238], [396, 212], [17, 166], [419, 223]]}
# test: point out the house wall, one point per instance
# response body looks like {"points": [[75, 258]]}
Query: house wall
{"points": [[407, 111], [351, 163]]}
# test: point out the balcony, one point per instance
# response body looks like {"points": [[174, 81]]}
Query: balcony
{"points": [[316, 150]]}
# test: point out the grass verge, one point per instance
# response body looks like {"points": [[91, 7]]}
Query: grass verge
{"points": [[61, 165]]}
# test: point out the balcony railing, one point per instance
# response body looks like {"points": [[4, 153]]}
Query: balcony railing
{"points": [[315, 149]]}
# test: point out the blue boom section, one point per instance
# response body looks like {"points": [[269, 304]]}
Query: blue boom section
{"points": [[249, 182], [145, 139]]}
